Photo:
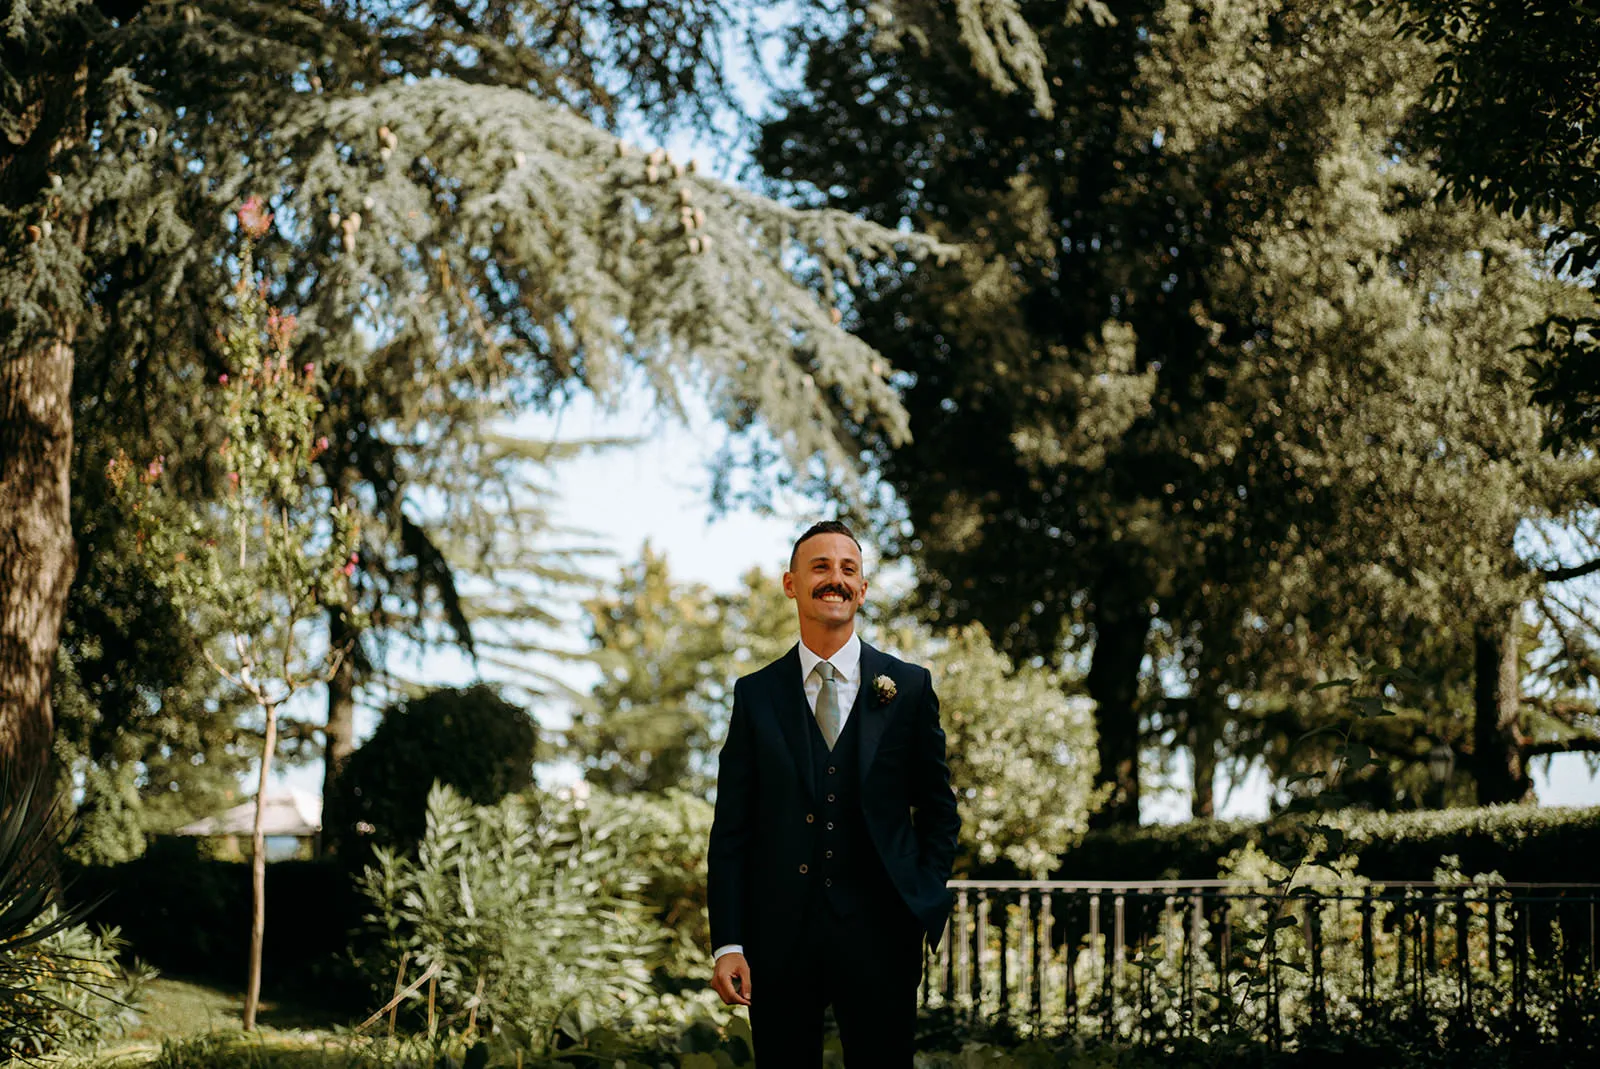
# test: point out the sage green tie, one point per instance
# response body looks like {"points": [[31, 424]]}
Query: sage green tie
{"points": [[828, 703]]}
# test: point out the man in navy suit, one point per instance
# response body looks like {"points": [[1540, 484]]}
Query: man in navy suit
{"points": [[835, 830]]}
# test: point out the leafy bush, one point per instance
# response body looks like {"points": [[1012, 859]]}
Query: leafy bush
{"points": [[1524, 842], [538, 913], [1022, 753], [472, 740], [77, 993], [60, 984]]}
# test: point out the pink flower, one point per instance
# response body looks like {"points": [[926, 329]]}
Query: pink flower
{"points": [[153, 470], [322, 443], [223, 378], [254, 219], [350, 568], [280, 328], [309, 369], [233, 479]]}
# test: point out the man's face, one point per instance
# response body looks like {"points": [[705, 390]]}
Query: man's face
{"points": [[825, 579]]}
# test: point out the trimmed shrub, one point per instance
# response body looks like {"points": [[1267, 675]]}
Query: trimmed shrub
{"points": [[1522, 843], [471, 740]]}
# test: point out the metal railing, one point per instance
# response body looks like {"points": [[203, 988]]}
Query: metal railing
{"points": [[1152, 960]]}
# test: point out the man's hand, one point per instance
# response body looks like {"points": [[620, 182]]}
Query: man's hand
{"points": [[732, 969]]}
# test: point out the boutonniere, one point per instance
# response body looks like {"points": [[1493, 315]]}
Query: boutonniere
{"points": [[883, 689]]}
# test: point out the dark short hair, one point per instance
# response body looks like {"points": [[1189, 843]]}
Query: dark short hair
{"points": [[824, 527]]}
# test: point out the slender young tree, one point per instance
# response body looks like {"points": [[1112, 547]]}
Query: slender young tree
{"points": [[273, 556]]}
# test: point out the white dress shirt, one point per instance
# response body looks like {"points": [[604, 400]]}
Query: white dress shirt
{"points": [[847, 675], [847, 680]]}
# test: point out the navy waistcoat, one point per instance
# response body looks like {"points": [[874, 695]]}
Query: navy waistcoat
{"points": [[849, 872]]}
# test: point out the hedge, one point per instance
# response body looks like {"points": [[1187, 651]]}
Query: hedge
{"points": [[1523, 843], [190, 916]]}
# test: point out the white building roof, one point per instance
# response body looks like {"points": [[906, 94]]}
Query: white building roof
{"points": [[286, 813]]}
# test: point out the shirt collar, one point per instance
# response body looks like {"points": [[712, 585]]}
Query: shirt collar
{"points": [[847, 662]]}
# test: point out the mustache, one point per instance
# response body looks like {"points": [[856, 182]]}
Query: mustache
{"points": [[839, 590]]}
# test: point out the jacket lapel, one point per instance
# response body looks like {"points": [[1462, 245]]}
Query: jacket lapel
{"points": [[866, 711], [793, 713]]}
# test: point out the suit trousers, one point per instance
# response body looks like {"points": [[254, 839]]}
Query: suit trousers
{"points": [[866, 965]]}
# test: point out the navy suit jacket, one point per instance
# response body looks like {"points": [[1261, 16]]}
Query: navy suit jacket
{"points": [[760, 836]]}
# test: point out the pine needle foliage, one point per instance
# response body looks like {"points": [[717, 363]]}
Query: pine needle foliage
{"points": [[459, 230]]}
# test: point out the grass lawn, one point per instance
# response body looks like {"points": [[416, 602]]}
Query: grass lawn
{"points": [[288, 1032], [175, 1007]]}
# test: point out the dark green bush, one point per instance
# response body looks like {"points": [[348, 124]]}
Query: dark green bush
{"points": [[1522, 843], [190, 916], [471, 740]]}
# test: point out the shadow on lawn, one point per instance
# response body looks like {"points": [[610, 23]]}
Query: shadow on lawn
{"points": [[174, 1006]]}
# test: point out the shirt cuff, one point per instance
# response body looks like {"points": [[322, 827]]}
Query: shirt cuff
{"points": [[731, 948]]}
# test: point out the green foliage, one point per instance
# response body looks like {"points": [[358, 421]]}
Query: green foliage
{"points": [[461, 235], [186, 916], [1021, 751], [1005, 49], [1515, 118], [1514, 105], [702, 1044], [536, 913], [142, 721], [78, 995], [668, 654], [277, 549], [648, 723], [1389, 1040], [471, 740], [60, 983], [1218, 367], [1538, 844]]}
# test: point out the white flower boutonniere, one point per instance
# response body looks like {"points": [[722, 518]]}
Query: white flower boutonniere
{"points": [[883, 689]]}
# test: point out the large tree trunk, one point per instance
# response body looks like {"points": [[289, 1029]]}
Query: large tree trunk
{"points": [[37, 555], [1120, 632], [1498, 764], [339, 736], [1203, 753]]}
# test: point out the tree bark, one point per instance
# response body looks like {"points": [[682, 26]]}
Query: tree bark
{"points": [[37, 554], [1203, 755], [339, 736], [1499, 765], [1120, 629], [258, 872]]}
